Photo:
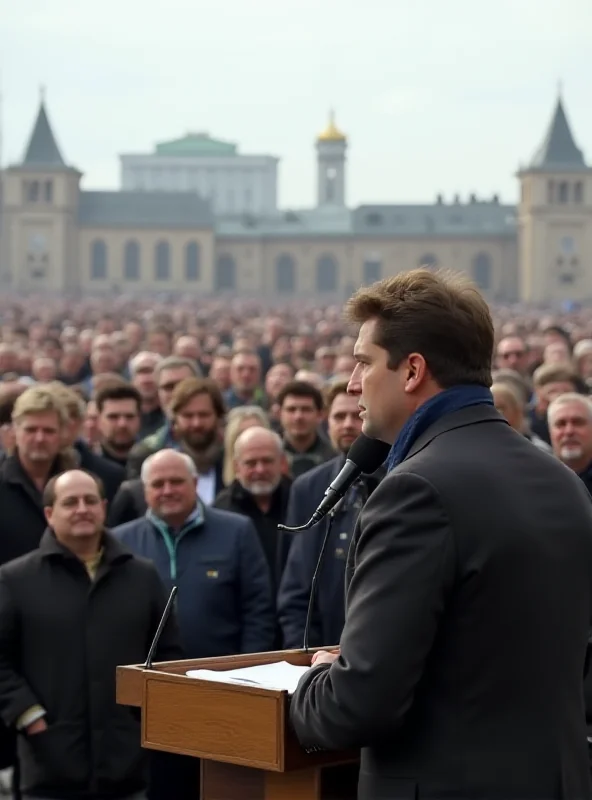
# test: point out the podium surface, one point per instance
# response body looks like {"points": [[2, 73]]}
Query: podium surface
{"points": [[241, 732]]}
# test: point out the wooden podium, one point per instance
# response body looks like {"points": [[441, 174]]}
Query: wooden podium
{"points": [[241, 733]]}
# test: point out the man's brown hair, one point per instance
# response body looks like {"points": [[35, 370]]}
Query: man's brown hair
{"points": [[333, 390], [438, 314], [192, 387], [554, 373]]}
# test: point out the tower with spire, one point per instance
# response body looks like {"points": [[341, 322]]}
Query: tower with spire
{"points": [[39, 215], [331, 151], [555, 218]]}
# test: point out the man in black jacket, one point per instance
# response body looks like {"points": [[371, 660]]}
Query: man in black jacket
{"points": [[70, 612], [260, 492], [469, 576]]}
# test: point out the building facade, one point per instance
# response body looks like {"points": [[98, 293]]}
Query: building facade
{"points": [[231, 182], [56, 237]]}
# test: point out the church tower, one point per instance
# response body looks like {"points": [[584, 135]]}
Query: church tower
{"points": [[39, 216], [555, 219], [331, 149]]}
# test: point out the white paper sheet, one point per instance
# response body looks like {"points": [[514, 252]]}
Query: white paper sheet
{"points": [[280, 676]]}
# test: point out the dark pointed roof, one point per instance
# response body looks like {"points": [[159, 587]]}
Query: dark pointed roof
{"points": [[558, 149], [42, 149]]}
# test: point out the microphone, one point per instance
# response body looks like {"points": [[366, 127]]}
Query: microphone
{"points": [[163, 621], [365, 455]]}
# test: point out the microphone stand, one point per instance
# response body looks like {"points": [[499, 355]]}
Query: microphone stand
{"points": [[313, 585]]}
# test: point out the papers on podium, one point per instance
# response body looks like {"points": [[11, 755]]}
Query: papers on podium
{"points": [[280, 676]]}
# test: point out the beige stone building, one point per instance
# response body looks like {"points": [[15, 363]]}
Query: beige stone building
{"points": [[56, 237]]}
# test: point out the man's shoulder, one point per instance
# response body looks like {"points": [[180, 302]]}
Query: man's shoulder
{"points": [[22, 566], [130, 530], [226, 522], [317, 475], [224, 499]]}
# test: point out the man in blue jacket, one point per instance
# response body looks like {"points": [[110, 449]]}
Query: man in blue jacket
{"points": [[307, 491], [224, 600]]}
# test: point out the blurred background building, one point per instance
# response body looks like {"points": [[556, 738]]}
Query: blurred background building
{"points": [[197, 216]]}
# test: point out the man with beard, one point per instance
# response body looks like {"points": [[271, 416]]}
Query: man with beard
{"points": [[197, 412], [307, 492], [260, 491]]}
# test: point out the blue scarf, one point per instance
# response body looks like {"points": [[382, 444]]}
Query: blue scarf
{"points": [[445, 402]]}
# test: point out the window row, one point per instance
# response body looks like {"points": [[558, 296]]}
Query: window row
{"points": [[563, 192], [327, 272], [132, 261], [285, 278]]}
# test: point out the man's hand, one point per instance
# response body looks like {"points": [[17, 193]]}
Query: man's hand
{"points": [[38, 726], [325, 657]]}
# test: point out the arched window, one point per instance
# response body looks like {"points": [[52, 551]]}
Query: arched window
{"points": [[481, 271], [563, 192], [326, 273], [225, 273], [98, 260], [162, 261], [428, 261], [550, 192], [285, 274], [131, 261], [579, 193], [192, 261]]}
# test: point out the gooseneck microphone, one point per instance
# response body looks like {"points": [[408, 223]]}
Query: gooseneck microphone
{"points": [[365, 455]]}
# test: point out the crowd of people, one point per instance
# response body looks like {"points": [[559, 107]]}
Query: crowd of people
{"points": [[189, 434]]}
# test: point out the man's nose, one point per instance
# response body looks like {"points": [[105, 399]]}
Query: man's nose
{"points": [[354, 385]]}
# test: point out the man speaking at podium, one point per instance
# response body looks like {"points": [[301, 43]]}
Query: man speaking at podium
{"points": [[469, 577]]}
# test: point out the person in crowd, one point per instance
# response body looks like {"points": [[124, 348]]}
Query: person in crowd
{"points": [[237, 421], [278, 376], [301, 414], [197, 414], [168, 374], [44, 369], [245, 380], [90, 427], [119, 407], [159, 339], [509, 402], [8, 397], [582, 357], [512, 353], [101, 606], [110, 474], [307, 492], [220, 371], [549, 380], [260, 491], [40, 419], [142, 374], [570, 426], [189, 347]]}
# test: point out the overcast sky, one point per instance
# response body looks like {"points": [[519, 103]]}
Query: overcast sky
{"points": [[435, 95]]}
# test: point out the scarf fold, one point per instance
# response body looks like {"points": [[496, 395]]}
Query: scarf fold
{"points": [[446, 402]]}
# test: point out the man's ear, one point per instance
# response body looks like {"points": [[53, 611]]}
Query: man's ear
{"points": [[48, 511]]}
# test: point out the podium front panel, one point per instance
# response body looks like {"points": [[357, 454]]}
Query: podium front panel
{"points": [[203, 719]]}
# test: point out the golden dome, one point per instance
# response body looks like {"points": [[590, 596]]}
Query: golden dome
{"points": [[331, 132]]}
